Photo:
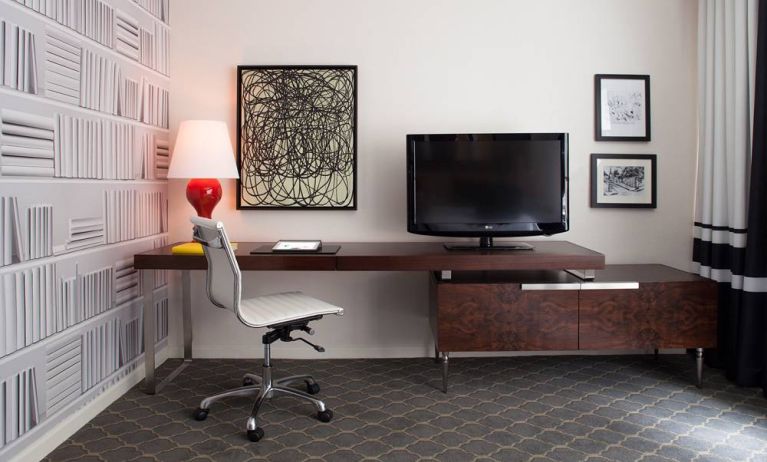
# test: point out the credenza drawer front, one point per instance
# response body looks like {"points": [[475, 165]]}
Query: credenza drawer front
{"points": [[656, 315], [684, 314], [503, 317], [615, 319]]}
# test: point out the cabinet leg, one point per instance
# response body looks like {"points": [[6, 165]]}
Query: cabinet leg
{"points": [[655, 354], [699, 367], [436, 354], [445, 361]]}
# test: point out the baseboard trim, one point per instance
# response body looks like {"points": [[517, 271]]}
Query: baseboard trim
{"points": [[283, 351], [303, 352]]}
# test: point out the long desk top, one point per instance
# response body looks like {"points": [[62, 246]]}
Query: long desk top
{"points": [[390, 256]]}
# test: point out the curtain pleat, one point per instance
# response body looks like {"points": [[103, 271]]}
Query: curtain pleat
{"points": [[754, 303], [730, 230]]}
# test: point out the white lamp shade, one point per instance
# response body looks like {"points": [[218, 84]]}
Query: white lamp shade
{"points": [[203, 150]]}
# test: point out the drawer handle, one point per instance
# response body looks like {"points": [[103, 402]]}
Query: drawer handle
{"points": [[609, 285], [552, 286]]}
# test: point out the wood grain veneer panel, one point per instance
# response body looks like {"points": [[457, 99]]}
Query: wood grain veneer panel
{"points": [[615, 319], [657, 315], [502, 317], [684, 314]]}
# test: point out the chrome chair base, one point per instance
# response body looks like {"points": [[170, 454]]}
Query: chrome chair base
{"points": [[279, 386], [264, 388]]}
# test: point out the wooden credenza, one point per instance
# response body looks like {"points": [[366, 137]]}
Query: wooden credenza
{"points": [[624, 307]]}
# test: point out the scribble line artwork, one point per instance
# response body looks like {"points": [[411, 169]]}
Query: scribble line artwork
{"points": [[297, 137]]}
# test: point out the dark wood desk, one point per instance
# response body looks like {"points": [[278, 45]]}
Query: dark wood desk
{"points": [[356, 256], [390, 256]]}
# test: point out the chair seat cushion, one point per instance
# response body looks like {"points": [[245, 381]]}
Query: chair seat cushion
{"points": [[269, 310]]}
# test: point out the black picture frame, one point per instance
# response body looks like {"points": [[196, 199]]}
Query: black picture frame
{"points": [[599, 107], [354, 193], [597, 175]]}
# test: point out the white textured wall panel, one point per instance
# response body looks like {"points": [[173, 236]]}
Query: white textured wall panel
{"points": [[83, 157]]}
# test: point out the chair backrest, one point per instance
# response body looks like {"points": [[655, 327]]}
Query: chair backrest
{"points": [[224, 278]]}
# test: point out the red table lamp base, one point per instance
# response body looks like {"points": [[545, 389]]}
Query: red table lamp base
{"points": [[204, 194]]}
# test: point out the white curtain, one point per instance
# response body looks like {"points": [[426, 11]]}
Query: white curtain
{"points": [[726, 59]]}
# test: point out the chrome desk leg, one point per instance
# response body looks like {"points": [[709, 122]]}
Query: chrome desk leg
{"points": [[445, 361], [186, 310], [149, 331], [186, 315], [699, 366]]}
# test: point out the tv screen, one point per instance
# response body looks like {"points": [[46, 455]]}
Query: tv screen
{"points": [[487, 184]]}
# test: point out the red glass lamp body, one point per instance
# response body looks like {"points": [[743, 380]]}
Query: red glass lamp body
{"points": [[204, 194]]}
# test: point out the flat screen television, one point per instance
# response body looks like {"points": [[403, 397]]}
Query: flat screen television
{"points": [[488, 185]]}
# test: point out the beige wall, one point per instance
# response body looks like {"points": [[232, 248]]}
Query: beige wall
{"points": [[439, 66]]}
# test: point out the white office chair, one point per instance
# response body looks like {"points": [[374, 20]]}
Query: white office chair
{"points": [[280, 313]]}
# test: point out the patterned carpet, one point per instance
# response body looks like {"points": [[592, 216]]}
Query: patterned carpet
{"points": [[596, 408]]}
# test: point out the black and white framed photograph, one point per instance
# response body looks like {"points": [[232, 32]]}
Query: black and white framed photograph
{"points": [[297, 137], [622, 107], [624, 180]]}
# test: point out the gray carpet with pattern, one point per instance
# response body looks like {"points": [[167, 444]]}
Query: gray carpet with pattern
{"points": [[572, 408]]}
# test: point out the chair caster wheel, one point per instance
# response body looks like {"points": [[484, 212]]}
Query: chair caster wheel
{"points": [[325, 416], [247, 381], [312, 388], [201, 414], [255, 435]]}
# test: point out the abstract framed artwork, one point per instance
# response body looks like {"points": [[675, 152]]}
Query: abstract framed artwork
{"points": [[622, 107], [297, 137], [624, 180]]}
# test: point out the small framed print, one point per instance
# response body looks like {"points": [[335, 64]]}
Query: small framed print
{"points": [[622, 107], [624, 180]]}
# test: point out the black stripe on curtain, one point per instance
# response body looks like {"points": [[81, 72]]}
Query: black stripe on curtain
{"points": [[719, 256], [742, 347], [719, 228]]}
